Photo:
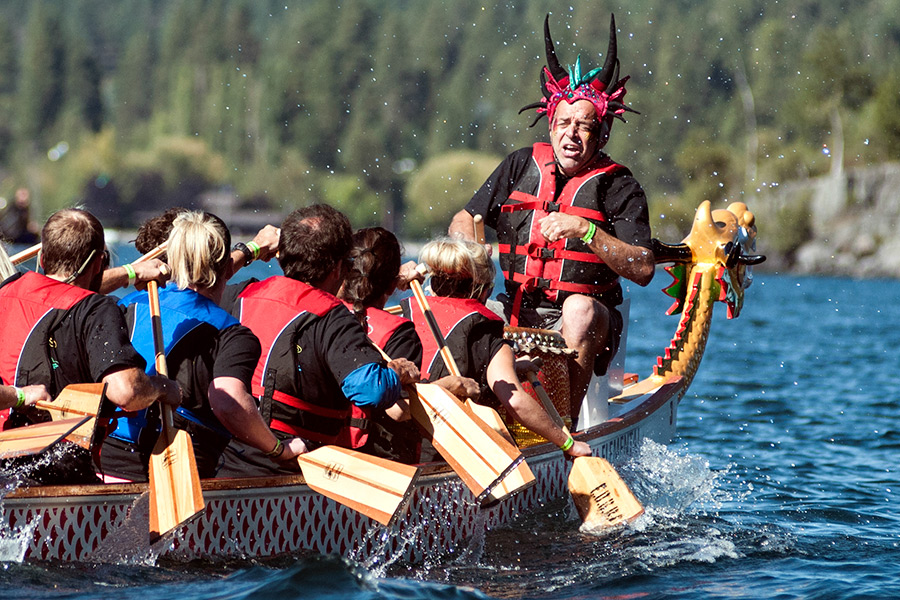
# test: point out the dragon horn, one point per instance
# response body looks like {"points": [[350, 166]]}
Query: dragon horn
{"points": [[609, 66], [530, 106], [552, 62]]}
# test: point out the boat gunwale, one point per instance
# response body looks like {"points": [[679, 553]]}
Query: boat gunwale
{"points": [[428, 472]]}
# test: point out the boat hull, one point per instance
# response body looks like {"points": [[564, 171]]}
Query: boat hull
{"points": [[256, 519]]}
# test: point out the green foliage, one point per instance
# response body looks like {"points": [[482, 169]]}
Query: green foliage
{"points": [[323, 101], [441, 187]]}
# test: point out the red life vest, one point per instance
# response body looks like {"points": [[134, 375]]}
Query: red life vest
{"points": [[526, 257], [380, 326], [277, 310], [455, 317], [31, 306]]}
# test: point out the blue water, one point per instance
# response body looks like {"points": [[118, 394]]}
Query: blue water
{"points": [[782, 482]]}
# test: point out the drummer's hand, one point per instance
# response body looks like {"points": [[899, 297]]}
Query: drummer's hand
{"points": [[150, 270], [408, 272], [36, 393], [405, 369], [578, 449], [267, 239], [293, 448], [461, 387]]}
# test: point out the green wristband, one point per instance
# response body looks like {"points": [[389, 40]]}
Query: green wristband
{"points": [[277, 451], [132, 276], [592, 229], [567, 444], [20, 394], [254, 248]]}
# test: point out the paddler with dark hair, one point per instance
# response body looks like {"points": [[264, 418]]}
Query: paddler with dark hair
{"points": [[56, 330], [208, 352], [570, 221], [462, 278], [374, 274], [316, 360]]}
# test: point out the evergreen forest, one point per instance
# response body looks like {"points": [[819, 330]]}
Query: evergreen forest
{"points": [[395, 111]]}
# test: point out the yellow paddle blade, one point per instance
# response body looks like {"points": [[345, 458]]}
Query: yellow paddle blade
{"points": [[33, 439], [374, 486], [175, 492], [478, 454], [601, 496]]}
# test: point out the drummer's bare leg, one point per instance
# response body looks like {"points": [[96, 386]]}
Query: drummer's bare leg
{"points": [[585, 327]]}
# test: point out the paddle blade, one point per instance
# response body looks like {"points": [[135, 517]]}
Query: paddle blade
{"points": [[478, 454], [33, 439], [601, 496], [76, 400], [376, 487], [175, 492]]}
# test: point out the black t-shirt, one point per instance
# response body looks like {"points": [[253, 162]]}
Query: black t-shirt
{"points": [[405, 343]]}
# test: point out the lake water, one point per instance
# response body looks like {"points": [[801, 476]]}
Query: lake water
{"points": [[782, 482]]}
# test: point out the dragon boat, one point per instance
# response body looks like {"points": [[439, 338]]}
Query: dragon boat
{"points": [[265, 517]]}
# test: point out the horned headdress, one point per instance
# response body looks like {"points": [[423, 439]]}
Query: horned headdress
{"points": [[601, 86]]}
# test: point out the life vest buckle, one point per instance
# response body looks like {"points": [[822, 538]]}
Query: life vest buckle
{"points": [[551, 207], [535, 250]]}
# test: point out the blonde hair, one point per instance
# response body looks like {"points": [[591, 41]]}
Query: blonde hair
{"points": [[198, 249], [7, 269], [459, 268]]}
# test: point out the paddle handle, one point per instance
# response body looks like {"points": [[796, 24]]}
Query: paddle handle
{"points": [[159, 346], [25, 254], [479, 229]]}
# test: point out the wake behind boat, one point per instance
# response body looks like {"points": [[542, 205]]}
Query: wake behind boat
{"points": [[263, 517]]}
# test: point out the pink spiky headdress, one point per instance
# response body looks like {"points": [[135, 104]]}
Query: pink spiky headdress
{"points": [[601, 86]]}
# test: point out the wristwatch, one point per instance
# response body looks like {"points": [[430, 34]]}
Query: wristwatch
{"points": [[243, 249]]}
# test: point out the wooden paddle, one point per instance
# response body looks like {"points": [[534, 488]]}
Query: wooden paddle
{"points": [[376, 487], [76, 400], [33, 439], [521, 477], [468, 445], [175, 493], [479, 229], [24, 255], [601, 496]]}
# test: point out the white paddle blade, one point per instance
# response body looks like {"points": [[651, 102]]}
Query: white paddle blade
{"points": [[602, 498]]}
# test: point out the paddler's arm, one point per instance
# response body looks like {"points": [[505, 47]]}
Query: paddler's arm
{"points": [[131, 389], [15, 397], [236, 409], [144, 271], [264, 247], [462, 226], [501, 377]]}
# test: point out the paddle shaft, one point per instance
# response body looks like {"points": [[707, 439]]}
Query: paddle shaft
{"points": [[547, 402], [28, 253], [24, 255], [175, 492], [422, 301]]}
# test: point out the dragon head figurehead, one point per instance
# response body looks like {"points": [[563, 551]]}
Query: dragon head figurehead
{"points": [[722, 240]]}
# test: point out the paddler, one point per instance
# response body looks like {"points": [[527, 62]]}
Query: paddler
{"points": [[570, 220], [208, 352], [56, 330], [316, 360], [374, 274], [462, 278]]}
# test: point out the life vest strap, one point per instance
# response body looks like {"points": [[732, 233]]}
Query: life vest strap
{"points": [[536, 251], [321, 411], [525, 201], [306, 434]]}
